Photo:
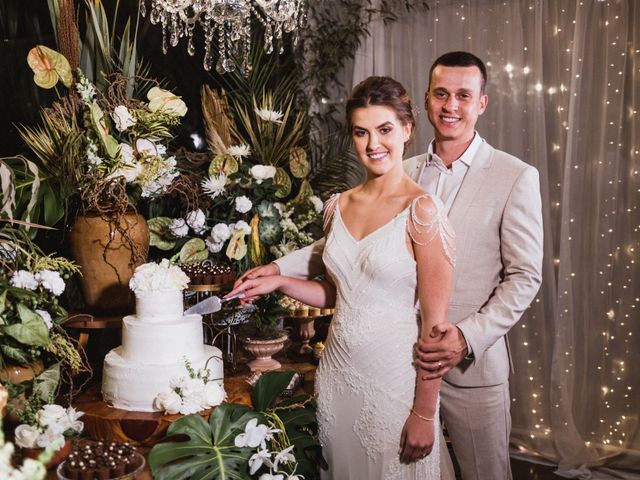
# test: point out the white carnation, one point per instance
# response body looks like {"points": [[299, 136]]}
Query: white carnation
{"points": [[26, 436], [220, 232], [154, 277], [196, 220], [24, 279], [261, 173], [243, 204], [122, 118], [213, 246], [178, 228], [51, 281]]}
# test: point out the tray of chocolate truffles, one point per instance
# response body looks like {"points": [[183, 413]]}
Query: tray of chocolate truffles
{"points": [[208, 276], [296, 308], [102, 461]]}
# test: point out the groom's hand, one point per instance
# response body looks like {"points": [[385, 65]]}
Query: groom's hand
{"points": [[436, 358]]}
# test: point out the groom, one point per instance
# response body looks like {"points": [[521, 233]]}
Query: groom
{"points": [[493, 203]]}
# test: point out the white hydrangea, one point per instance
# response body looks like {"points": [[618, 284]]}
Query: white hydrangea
{"points": [[51, 281], [24, 279], [154, 277], [213, 246], [243, 204], [242, 225], [220, 233], [178, 228], [196, 220]]}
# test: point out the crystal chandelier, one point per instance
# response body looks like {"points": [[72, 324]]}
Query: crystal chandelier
{"points": [[228, 22]]}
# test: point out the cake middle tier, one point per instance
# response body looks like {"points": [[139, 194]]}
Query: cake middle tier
{"points": [[161, 343]]}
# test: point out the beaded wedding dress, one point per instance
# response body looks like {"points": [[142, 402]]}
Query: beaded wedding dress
{"points": [[365, 381]]}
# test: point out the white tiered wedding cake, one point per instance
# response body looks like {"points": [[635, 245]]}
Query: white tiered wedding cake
{"points": [[156, 342]]}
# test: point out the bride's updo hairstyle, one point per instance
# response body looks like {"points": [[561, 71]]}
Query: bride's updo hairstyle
{"points": [[382, 91]]}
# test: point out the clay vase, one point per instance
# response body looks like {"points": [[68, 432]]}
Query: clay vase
{"points": [[263, 350], [105, 257], [57, 458]]}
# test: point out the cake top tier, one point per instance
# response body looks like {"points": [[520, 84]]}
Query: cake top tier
{"points": [[158, 277]]}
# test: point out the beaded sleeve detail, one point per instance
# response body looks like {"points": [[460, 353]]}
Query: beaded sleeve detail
{"points": [[329, 210], [428, 221]]}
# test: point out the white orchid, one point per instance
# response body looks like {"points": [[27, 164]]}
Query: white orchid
{"points": [[214, 185], [269, 115], [260, 173], [253, 435], [271, 476], [261, 457], [284, 457], [239, 151], [122, 118]]}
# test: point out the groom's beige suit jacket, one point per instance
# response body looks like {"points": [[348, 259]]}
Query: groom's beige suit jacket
{"points": [[497, 219]]}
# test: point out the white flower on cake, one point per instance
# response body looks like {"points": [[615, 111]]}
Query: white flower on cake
{"points": [[243, 204], [122, 118], [191, 394], [196, 220], [269, 115], [51, 281], [261, 173], [24, 279], [154, 277], [239, 151], [214, 185], [178, 228]]}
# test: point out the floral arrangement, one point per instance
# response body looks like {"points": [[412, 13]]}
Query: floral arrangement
{"points": [[192, 393], [31, 284], [31, 469], [156, 277], [274, 440], [50, 425], [101, 149], [256, 203]]}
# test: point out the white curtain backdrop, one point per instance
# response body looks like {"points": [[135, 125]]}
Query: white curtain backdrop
{"points": [[564, 96]]}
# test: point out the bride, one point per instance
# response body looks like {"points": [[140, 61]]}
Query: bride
{"points": [[389, 258]]}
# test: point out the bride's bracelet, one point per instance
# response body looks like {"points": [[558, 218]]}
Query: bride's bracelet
{"points": [[421, 417]]}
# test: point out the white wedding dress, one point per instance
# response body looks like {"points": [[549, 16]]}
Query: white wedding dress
{"points": [[365, 381]]}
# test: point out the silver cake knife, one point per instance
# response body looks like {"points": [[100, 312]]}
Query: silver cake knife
{"points": [[209, 305]]}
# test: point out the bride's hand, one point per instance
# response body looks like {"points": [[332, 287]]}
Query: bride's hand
{"points": [[416, 440], [256, 287]]}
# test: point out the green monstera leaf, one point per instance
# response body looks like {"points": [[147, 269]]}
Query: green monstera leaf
{"points": [[270, 231], [210, 452], [159, 234], [283, 182], [194, 251], [267, 209]]}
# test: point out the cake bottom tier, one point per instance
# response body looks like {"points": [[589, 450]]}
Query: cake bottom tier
{"points": [[133, 387]]}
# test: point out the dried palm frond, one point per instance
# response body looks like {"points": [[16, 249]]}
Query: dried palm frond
{"points": [[215, 113], [8, 186], [336, 166], [272, 141]]}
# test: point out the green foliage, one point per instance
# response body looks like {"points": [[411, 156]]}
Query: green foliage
{"points": [[210, 451]]}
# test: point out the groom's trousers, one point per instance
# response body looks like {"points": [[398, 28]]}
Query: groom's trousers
{"points": [[478, 423]]}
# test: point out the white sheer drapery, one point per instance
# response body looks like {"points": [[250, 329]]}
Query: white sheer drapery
{"points": [[564, 95]]}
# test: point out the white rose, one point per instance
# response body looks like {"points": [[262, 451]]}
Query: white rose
{"points": [[220, 233], [192, 386], [192, 403], [26, 436], [51, 281], [122, 118], [167, 102], [178, 228], [214, 395], [169, 402], [262, 172], [46, 317], [24, 279], [243, 204], [51, 414], [51, 435], [196, 219]]}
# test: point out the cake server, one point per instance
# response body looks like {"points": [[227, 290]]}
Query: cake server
{"points": [[209, 305]]}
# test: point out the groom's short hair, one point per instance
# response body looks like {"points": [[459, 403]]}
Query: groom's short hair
{"points": [[460, 59]]}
